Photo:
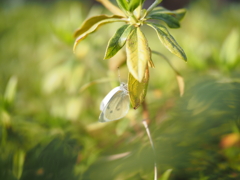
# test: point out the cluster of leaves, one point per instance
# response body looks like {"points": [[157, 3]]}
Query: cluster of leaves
{"points": [[138, 52]]}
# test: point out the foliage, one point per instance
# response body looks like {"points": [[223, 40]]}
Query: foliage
{"points": [[49, 99], [137, 49]]}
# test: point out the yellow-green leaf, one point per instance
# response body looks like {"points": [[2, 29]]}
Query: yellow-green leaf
{"points": [[137, 90], [138, 54], [168, 40], [92, 24], [89, 23], [18, 162], [166, 175], [118, 40]]}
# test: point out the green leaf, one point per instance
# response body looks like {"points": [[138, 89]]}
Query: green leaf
{"points": [[137, 90], [11, 89], [134, 4], [118, 40], [171, 21], [166, 175], [92, 24], [229, 50], [123, 4], [18, 162], [138, 54], [178, 14], [168, 40]]}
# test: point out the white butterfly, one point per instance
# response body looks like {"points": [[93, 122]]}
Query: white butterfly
{"points": [[115, 105]]}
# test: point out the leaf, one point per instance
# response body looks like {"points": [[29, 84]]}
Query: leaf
{"points": [[137, 90], [123, 4], [168, 40], [92, 24], [171, 21], [229, 49], [118, 40], [11, 89], [138, 54], [18, 162], [180, 81], [89, 23], [166, 175], [178, 14], [134, 4]]}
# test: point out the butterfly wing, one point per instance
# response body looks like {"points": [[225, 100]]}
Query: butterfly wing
{"points": [[108, 97], [116, 108]]}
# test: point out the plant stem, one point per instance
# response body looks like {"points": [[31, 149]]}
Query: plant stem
{"points": [[156, 2], [112, 8], [145, 112], [145, 122]]}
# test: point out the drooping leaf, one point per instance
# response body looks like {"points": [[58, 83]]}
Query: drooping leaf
{"points": [[123, 4], [171, 21], [138, 54], [89, 28], [118, 40], [168, 40], [18, 162], [91, 22], [178, 14], [137, 90]]}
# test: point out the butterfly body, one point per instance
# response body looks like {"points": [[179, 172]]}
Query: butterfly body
{"points": [[115, 105]]}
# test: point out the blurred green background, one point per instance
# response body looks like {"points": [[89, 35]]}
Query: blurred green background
{"points": [[50, 97]]}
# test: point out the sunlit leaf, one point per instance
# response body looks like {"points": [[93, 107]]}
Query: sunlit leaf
{"points": [[118, 40], [166, 174], [137, 90], [92, 24], [18, 162], [123, 4], [168, 40], [178, 14], [89, 23], [138, 54], [171, 21]]}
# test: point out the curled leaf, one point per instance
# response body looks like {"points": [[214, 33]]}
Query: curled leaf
{"points": [[92, 24]]}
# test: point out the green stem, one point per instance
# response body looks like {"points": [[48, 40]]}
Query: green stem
{"points": [[156, 2]]}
